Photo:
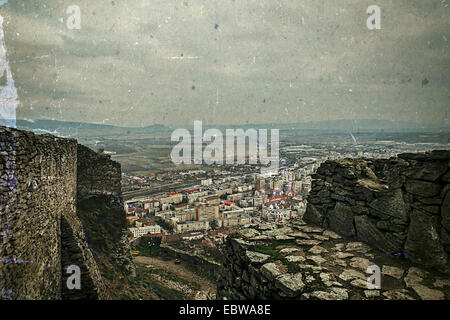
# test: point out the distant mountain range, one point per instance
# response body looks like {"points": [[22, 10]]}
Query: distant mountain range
{"points": [[363, 125], [78, 129]]}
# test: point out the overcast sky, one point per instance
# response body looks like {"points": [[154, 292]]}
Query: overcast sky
{"points": [[140, 62]]}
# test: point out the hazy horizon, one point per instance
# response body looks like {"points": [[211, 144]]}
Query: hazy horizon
{"points": [[338, 123]]}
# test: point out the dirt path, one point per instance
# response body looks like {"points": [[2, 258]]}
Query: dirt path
{"points": [[170, 266]]}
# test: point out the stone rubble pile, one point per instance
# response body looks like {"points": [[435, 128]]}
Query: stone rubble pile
{"points": [[295, 260]]}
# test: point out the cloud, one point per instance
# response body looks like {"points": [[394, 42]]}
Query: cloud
{"points": [[265, 61]]}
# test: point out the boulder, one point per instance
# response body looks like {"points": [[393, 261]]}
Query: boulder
{"points": [[390, 226], [360, 263], [445, 212], [446, 177], [288, 251], [366, 231], [423, 245], [445, 238], [441, 283], [331, 234], [320, 237], [393, 272], [424, 189], [317, 250], [427, 208], [429, 170], [415, 276], [313, 215], [439, 154], [343, 255], [359, 283], [426, 293], [354, 247], [340, 220], [370, 185], [318, 260], [295, 259], [351, 274], [426, 156], [256, 257], [291, 284], [437, 201], [272, 270], [390, 205], [333, 294]]}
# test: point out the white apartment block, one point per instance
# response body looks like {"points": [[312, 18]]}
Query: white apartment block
{"points": [[139, 232]]}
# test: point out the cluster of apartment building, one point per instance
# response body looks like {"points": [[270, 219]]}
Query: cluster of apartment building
{"points": [[226, 202], [228, 197]]}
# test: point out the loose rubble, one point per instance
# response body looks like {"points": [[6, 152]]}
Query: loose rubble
{"points": [[335, 269]]}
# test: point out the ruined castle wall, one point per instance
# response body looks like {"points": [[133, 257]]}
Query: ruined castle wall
{"points": [[38, 186], [395, 205], [97, 179], [75, 250], [42, 227], [100, 208], [97, 174]]}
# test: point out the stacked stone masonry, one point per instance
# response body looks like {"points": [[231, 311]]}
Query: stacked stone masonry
{"points": [[395, 205], [389, 213], [294, 260], [43, 179]]}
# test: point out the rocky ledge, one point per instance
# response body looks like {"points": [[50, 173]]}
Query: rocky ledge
{"points": [[401, 204], [294, 260]]}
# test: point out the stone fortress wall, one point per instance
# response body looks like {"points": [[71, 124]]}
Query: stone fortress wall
{"points": [[395, 205], [362, 215], [97, 174], [42, 180]]}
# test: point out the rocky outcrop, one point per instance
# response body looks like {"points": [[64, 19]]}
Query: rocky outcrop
{"points": [[395, 205], [294, 260], [54, 195], [363, 215]]}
